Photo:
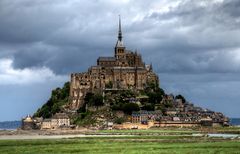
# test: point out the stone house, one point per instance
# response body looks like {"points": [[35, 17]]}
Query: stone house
{"points": [[46, 124], [145, 116], [59, 120]]}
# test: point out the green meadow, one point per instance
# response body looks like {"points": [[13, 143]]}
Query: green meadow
{"points": [[111, 145], [135, 142]]}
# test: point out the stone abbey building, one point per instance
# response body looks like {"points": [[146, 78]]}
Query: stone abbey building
{"points": [[126, 70]]}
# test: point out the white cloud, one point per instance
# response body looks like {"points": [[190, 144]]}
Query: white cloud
{"points": [[10, 75], [164, 6]]}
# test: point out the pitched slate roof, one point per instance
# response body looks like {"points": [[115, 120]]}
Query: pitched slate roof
{"points": [[106, 59]]}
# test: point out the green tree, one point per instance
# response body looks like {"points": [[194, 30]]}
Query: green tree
{"points": [[97, 100], [58, 98], [119, 120], [181, 97], [88, 97], [154, 93], [148, 107], [109, 85], [129, 107]]}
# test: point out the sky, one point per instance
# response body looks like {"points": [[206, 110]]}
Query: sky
{"points": [[193, 45]]}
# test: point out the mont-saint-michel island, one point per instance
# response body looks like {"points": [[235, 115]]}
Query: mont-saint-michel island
{"points": [[119, 77], [119, 92]]}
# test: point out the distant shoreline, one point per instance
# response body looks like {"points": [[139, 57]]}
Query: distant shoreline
{"points": [[14, 125], [229, 132]]}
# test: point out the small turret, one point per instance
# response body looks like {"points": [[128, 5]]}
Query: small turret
{"points": [[28, 123]]}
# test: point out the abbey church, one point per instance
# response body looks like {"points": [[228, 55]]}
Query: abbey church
{"points": [[125, 70]]}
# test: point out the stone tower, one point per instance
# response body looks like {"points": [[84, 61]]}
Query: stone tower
{"points": [[120, 53]]}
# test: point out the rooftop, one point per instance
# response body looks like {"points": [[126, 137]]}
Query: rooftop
{"points": [[60, 116], [106, 59]]}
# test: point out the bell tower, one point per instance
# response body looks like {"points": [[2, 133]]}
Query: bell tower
{"points": [[120, 48]]}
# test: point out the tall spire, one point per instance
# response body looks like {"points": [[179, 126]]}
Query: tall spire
{"points": [[119, 41], [119, 30]]}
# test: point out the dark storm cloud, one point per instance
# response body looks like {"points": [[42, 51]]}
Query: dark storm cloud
{"points": [[197, 36], [59, 35], [232, 8], [63, 60], [188, 38], [204, 25], [26, 22], [56, 35], [194, 13], [192, 44]]}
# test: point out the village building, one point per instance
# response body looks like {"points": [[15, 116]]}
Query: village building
{"points": [[59, 120], [46, 124], [171, 111], [144, 117]]}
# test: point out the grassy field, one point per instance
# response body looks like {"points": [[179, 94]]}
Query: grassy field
{"points": [[150, 132], [174, 131], [137, 141], [111, 145]]}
